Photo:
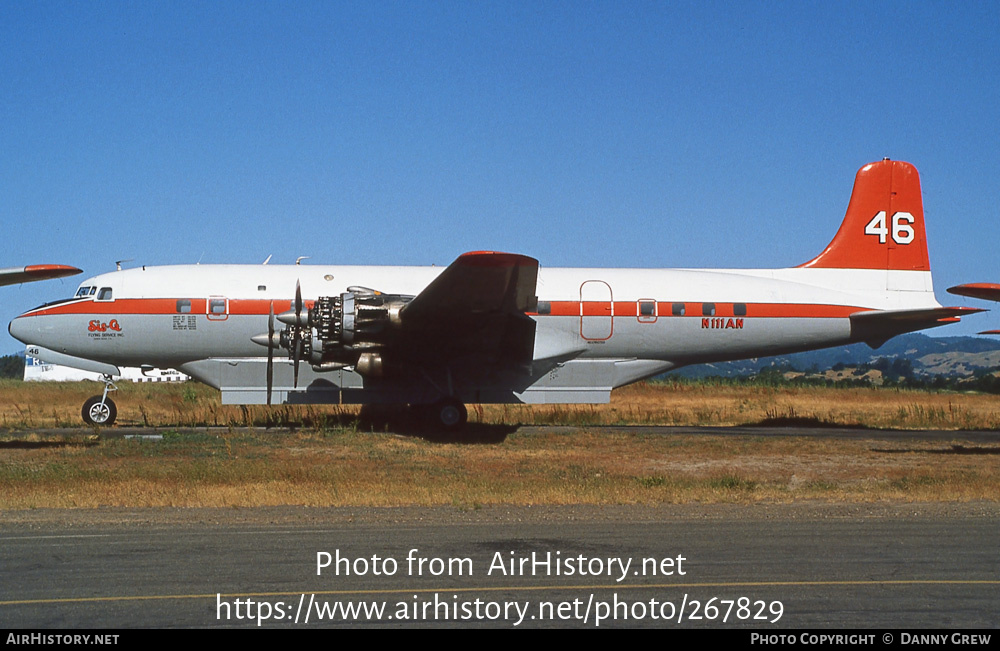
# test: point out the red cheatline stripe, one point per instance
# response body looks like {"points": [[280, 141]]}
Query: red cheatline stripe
{"points": [[259, 307], [665, 309], [251, 306]]}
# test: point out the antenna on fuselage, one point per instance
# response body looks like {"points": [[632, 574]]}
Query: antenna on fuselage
{"points": [[299, 259], [268, 259], [118, 263]]}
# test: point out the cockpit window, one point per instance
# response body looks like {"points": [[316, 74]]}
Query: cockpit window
{"points": [[105, 294], [83, 292]]}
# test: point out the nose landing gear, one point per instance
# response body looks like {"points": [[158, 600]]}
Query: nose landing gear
{"points": [[101, 410]]}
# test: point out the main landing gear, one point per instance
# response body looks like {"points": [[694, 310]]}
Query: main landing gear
{"points": [[447, 415], [101, 410], [450, 414]]}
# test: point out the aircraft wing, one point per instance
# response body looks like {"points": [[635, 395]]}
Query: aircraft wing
{"points": [[33, 272], [875, 327], [476, 306], [985, 291]]}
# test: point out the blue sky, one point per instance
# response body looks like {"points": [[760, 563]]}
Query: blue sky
{"points": [[663, 134]]}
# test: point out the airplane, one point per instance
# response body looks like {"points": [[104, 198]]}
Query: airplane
{"points": [[985, 291], [493, 327], [33, 272]]}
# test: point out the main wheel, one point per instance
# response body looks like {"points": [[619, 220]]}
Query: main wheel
{"points": [[449, 414], [97, 413]]}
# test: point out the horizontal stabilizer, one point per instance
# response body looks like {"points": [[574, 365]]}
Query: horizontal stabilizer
{"points": [[875, 327], [985, 291]]}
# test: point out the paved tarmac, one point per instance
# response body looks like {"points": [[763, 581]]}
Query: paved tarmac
{"points": [[726, 566]]}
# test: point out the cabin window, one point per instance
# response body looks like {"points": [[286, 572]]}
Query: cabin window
{"points": [[105, 294], [183, 305], [261, 288], [739, 309], [708, 309], [544, 307], [217, 308], [646, 310], [677, 309]]}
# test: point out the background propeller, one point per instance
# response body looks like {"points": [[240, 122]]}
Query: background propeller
{"points": [[270, 352], [297, 333]]}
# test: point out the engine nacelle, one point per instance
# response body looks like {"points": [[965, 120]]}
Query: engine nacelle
{"points": [[349, 329], [369, 365]]}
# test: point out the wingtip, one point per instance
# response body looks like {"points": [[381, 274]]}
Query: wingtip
{"points": [[985, 291], [965, 311], [43, 271], [496, 259], [955, 314]]}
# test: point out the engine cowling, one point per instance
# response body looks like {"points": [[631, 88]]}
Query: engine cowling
{"points": [[352, 329]]}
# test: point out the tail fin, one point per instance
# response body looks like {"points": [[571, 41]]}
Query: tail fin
{"points": [[884, 224]]}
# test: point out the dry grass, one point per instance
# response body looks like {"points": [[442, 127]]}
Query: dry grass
{"points": [[45, 405], [329, 461], [692, 404], [254, 468]]}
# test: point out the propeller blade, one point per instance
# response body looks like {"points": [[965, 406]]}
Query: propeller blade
{"points": [[298, 302], [297, 330], [298, 356], [270, 353]]}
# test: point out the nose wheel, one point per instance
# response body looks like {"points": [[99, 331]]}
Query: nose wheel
{"points": [[101, 410]]}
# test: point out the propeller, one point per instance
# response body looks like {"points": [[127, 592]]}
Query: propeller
{"points": [[297, 333], [272, 341], [270, 352], [292, 337]]}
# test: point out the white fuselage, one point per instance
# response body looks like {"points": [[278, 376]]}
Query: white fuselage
{"points": [[635, 322]]}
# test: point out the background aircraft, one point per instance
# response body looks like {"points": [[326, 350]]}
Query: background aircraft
{"points": [[985, 291], [31, 273], [493, 327]]}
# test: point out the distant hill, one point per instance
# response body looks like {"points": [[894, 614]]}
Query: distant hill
{"points": [[947, 356]]}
